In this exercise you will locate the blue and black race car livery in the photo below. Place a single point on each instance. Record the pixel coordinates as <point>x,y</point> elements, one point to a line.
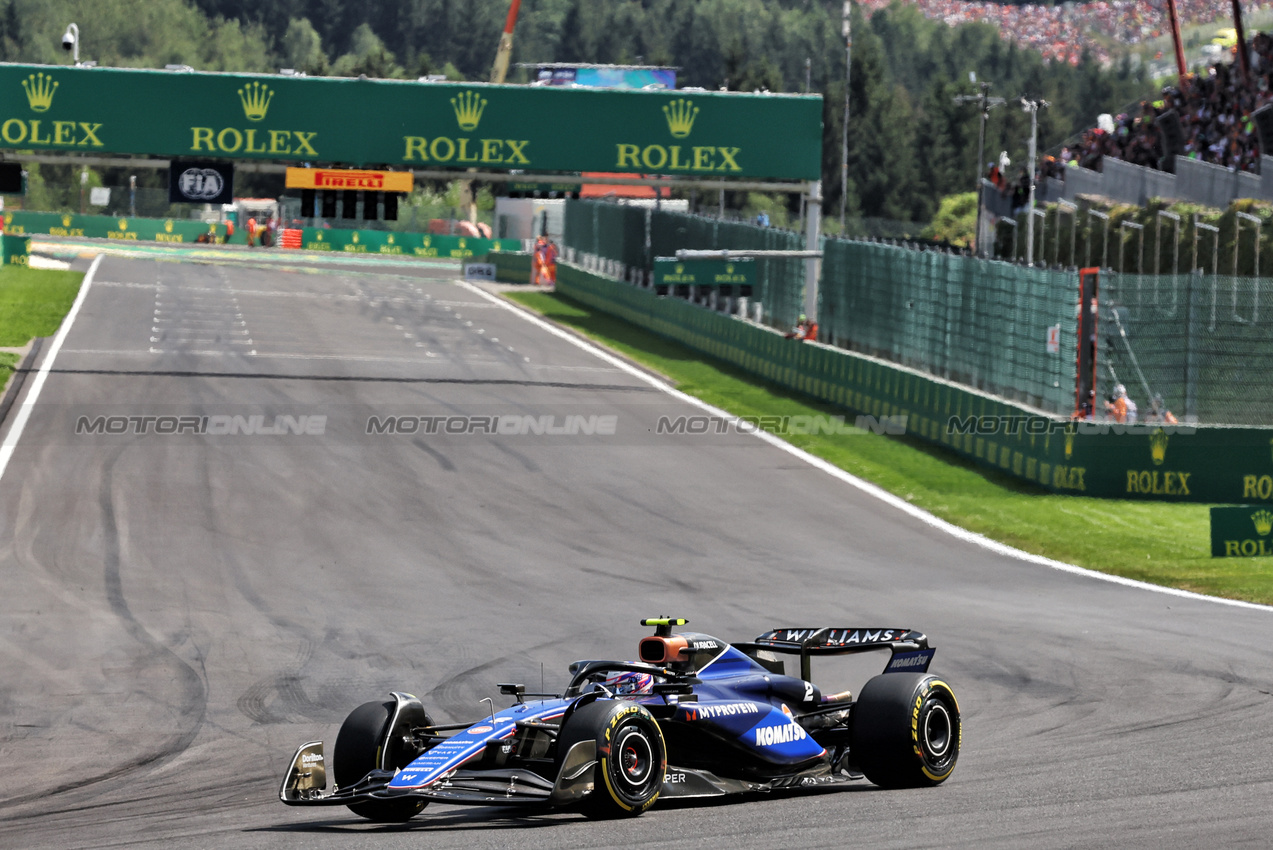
<point>695,716</point>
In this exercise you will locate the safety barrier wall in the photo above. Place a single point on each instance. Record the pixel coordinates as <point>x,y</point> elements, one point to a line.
<point>510,267</point>
<point>108,227</point>
<point>406,244</point>
<point>313,239</point>
<point>1173,463</point>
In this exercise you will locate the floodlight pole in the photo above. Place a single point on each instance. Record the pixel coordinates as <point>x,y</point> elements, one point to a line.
<point>812,265</point>
<point>985,103</point>
<point>1032,106</point>
<point>844,143</point>
<point>1158,240</point>
<point>1073,210</point>
<point>1043,236</point>
<point>1104,236</point>
<point>1140,256</point>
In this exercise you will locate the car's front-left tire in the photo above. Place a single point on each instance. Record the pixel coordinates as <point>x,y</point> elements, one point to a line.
<point>631,756</point>
<point>360,749</point>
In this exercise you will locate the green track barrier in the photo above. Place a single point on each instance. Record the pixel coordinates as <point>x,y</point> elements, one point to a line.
<point>16,250</point>
<point>108,227</point>
<point>406,244</point>
<point>1172,463</point>
<point>510,267</point>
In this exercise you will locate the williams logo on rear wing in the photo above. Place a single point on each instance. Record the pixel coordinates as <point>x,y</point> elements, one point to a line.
<point>911,653</point>
<point>836,641</point>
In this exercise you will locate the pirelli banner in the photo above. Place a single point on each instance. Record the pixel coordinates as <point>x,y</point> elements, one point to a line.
<point>413,124</point>
<point>340,179</point>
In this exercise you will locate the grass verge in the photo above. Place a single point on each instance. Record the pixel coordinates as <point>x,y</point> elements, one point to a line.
<point>8,363</point>
<point>33,302</point>
<point>1167,544</point>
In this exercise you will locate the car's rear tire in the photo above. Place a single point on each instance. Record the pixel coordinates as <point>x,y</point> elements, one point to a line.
<point>358,752</point>
<point>906,730</point>
<point>631,756</point>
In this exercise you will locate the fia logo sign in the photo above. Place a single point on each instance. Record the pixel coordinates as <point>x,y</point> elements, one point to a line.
<point>200,184</point>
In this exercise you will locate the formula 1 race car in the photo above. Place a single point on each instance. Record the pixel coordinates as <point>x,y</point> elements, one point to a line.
<point>695,717</point>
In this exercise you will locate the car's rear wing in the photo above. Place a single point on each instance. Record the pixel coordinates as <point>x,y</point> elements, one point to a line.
<point>910,649</point>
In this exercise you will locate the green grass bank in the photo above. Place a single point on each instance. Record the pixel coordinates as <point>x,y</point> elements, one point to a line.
<point>33,302</point>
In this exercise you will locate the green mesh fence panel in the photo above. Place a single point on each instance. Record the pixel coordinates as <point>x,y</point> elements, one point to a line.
<point>779,282</point>
<point>617,232</point>
<point>612,231</point>
<point>976,322</point>
<point>1203,343</point>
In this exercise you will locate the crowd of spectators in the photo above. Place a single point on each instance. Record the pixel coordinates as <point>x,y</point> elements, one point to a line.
<point>1062,32</point>
<point>1214,108</point>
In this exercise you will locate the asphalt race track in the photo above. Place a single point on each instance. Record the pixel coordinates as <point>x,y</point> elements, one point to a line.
<point>180,610</point>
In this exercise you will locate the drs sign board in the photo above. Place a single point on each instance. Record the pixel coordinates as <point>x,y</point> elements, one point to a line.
<point>419,125</point>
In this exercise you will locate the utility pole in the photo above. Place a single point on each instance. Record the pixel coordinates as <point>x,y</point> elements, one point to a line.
<point>844,147</point>
<point>985,103</point>
<point>1031,106</point>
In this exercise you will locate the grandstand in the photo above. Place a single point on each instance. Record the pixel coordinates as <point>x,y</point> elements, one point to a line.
<point>1062,32</point>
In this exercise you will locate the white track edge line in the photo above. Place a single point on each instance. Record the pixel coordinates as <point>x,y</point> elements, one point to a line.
<point>33,394</point>
<point>848,478</point>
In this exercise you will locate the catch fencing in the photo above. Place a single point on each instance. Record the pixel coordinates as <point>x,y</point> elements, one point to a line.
<point>1199,344</point>
<point>622,241</point>
<point>980,323</point>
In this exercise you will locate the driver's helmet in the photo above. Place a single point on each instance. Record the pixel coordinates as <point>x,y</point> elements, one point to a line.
<point>629,682</point>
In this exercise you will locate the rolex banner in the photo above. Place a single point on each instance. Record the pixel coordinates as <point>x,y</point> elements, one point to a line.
<point>669,271</point>
<point>1241,532</point>
<point>194,182</point>
<point>417,125</point>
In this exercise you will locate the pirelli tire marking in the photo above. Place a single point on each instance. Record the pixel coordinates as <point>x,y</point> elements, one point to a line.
<point>954,728</point>
<point>606,754</point>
